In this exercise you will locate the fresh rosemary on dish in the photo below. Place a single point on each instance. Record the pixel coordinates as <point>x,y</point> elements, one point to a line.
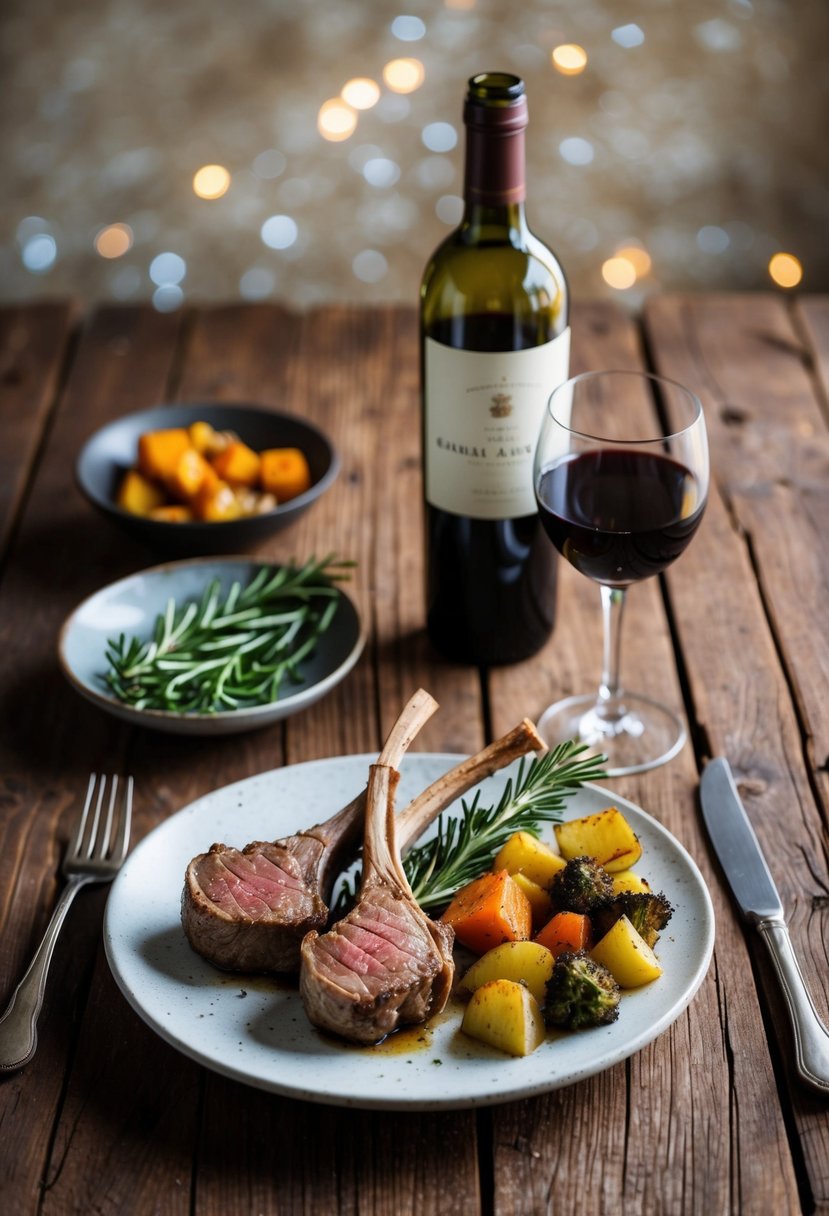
<point>228,651</point>
<point>465,844</point>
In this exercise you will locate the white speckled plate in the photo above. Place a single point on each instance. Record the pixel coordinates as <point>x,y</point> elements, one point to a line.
<point>131,606</point>
<point>255,1030</point>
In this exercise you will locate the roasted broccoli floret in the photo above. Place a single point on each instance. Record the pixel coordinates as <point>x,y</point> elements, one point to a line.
<point>581,886</point>
<point>648,912</point>
<point>580,993</point>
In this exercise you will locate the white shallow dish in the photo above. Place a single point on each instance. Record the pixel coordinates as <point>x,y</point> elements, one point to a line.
<point>131,606</point>
<point>255,1030</point>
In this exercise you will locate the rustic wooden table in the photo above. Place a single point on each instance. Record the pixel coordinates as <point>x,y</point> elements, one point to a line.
<point>708,1118</point>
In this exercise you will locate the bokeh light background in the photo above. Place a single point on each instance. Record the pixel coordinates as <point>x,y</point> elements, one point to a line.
<point>311,150</point>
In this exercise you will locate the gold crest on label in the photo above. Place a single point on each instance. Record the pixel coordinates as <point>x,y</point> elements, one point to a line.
<point>501,405</point>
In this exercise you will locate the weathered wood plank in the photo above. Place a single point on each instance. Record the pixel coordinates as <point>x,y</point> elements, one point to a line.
<point>50,739</point>
<point>659,1129</point>
<point>34,349</point>
<point>811,317</point>
<point>741,364</point>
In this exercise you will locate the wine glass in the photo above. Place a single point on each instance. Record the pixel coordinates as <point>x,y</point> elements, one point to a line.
<point>621,481</point>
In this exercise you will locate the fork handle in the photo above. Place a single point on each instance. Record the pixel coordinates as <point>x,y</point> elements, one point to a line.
<point>18,1025</point>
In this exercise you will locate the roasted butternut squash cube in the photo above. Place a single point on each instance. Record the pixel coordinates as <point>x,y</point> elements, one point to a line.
<point>191,472</point>
<point>524,962</point>
<point>489,910</point>
<point>284,472</point>
<point>216,503</point>
<point>137,494</point>
<point>607,837</point>
<point>627,956</point>
<point>525,854</point>
<point>505,1015</point>
<point>238,464</point>
<point>159,451</point>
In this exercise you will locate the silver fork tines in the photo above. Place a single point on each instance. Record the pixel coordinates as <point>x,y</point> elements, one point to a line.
<point>95,854</point>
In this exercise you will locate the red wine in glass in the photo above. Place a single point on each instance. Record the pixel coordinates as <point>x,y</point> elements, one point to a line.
<point>619,515</point>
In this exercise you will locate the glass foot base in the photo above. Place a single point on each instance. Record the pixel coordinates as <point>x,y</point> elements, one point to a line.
<point>643,735</point>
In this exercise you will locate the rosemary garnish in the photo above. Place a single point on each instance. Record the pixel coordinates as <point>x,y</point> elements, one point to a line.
<point>231,651</point>
<point>465,845</point>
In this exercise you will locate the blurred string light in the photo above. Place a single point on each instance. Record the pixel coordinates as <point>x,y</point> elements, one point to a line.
<point>211,181</point>
<point>279,232</point>
<point>569,58</point>
<point>256,283</point>
<point>39,252</point>
<point>619,272</point>
<point>638,257</point>
<point>336,120</point>
<point>439,136</point>
<point>114,241</point>
<point>361,93</point>
<point>785,270</point>
<point>404,75</point>
<point>576,151</point>
<point>269,164</point>
<point>408,29</point>
<point>628,36</point>
<point>370,266</point>
<point>713,239</point>
<point>462,4</point>
<point>168,269</point>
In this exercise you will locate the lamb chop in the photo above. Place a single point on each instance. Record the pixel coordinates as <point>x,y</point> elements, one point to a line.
<point>248,909</point>
<point>386,964</point>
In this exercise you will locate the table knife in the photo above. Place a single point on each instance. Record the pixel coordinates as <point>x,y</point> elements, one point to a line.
<point>742,860</point>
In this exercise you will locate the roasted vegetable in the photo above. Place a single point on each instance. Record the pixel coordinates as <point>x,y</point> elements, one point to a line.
<point>505,1015</point>
<point>523,962</point>
<point>648,912</point>
<point>526,854</point>
<point>581,993</point>
<point>565,931</point>
<point>284,472</point>
<point>607,837</point>
<point>490,910</point>
<point>627,956</point>
<point>582,886</point>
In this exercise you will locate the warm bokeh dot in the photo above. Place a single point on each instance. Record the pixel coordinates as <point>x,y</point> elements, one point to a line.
<point>114,241</point>
<point>569,58</point>
<point>211,181</point>
<point>336,120</point>
<point>404,75</point>
<point>619,273</point>
<point>785,270</point>
<point>362,92</point>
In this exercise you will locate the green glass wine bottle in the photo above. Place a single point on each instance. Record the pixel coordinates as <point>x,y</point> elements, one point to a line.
<point>494,344</point>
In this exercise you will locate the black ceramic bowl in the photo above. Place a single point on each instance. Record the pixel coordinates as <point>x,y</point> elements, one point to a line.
<point>114,448</point>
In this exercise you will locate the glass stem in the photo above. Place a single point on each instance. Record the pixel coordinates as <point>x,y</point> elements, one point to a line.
<point>610,706</point>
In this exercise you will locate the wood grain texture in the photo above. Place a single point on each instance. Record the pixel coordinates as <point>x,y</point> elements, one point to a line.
<point>34,351</point>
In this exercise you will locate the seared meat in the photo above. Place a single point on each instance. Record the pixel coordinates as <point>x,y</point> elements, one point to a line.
<point>248,909</point>
<point>386,964</point>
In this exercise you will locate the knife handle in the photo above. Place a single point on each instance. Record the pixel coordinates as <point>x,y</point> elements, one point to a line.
<point>811,1038</point>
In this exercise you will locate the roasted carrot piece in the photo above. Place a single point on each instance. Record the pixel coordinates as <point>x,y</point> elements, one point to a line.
<point>565,931</point>
<point>284,472</point>
<point>159,451</point>
<point>490,910</point>
<point>237,464</point>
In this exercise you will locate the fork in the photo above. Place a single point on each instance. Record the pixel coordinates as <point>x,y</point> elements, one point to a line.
<point>95,854</point>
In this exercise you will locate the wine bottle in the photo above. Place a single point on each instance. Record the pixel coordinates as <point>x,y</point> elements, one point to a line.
<point>494,344</point>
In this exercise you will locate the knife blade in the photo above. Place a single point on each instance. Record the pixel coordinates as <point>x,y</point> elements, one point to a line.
<point>751,882</point>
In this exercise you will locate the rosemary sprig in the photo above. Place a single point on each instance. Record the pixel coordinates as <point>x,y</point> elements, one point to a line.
<point>465,844</point>
<point>228,652</point>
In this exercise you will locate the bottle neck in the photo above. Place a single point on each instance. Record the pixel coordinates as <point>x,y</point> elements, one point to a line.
<point>494,186</point>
